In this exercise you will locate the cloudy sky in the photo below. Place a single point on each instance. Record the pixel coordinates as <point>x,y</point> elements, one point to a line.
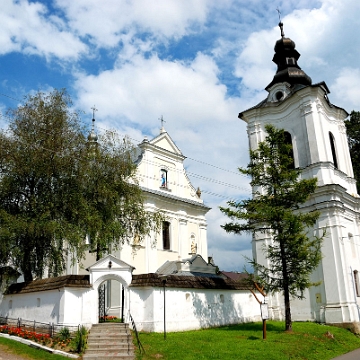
<point>197,63</point>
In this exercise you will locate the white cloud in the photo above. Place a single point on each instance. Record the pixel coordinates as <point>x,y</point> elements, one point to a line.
<point>25,27</point>
<point>105,23</point>
<point>139,85</point>
<point>142,90</point>
<point>324,36</point>
<point>347,86</point>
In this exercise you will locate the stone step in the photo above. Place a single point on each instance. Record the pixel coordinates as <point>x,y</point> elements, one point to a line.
<point>108,333</point>
<point>109,352</point>
<point>107,357</point>
<point>108,345</point>
<point>111,325</point>
<point>110,340</point>
<point>110,328</point>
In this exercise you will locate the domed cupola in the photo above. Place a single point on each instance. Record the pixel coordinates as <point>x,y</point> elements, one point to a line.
<point>92,137</point>
<point>286,58</point>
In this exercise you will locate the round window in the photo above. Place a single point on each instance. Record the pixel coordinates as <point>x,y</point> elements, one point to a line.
<point>279,95</point>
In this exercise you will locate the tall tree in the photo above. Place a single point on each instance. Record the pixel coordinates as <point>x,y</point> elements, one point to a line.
<point>55,190</point>
<point>274,210</point>
<point>114,211</point>
<point>353,135</point>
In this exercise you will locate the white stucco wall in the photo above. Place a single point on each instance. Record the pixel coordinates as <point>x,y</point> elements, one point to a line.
<point>186,309</point>
<point>191,309</point>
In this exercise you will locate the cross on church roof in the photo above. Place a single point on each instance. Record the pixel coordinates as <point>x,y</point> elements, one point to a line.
<point>94,109</point>
<point>162,121</point>
<point>280,24</point>
<point>162,124</point>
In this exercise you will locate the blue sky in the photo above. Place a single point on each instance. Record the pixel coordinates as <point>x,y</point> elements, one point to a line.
<point>196,62</point>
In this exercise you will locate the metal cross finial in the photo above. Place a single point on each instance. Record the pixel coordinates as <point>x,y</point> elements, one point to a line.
<point>279,13</point>
<point>94,109</point>
<point>162,121</point>
<point>280,24</point>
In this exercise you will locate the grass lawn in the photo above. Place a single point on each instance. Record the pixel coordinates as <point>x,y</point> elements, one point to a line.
<point>307,341</point>
<point>14,347</point>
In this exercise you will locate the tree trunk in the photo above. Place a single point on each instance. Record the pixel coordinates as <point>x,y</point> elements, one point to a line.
<point>288,321</point>
<point>26,270</point>
<point>26,261</point>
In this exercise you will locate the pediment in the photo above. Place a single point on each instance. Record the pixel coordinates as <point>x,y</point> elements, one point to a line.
<point>164,141</point>
<point>110,262</point>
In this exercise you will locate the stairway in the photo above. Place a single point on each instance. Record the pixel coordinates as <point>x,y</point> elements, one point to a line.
<point>109,340</point>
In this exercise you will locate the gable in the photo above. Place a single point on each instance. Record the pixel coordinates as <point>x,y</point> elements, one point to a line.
<point>164,141</point>
<point>110,262</point>
<point>160,170</point>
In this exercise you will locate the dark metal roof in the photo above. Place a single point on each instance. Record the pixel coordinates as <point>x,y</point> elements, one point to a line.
<point>186,282</point>
<point>69,281</point>
<point>235,275</point>
<point>286,57</point>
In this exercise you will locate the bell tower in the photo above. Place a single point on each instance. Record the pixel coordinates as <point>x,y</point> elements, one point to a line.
<point>315,127</point>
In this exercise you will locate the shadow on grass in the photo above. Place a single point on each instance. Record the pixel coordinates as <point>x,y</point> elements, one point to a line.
<point>253,338</point>
<point>275,327</point>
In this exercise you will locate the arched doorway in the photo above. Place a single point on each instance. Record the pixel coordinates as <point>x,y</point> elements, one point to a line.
<point>111,300</point>
<point>111,278</point>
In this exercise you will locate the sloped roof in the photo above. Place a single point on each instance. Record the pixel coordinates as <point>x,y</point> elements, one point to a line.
<point>195,265</point>
<point>235,275</point>
<point>186,282</point>
<point>69,281</point>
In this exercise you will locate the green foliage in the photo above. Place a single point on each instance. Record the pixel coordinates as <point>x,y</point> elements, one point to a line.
<point>113,200</point>
<point>79,343</point>
<point>38,161</point>
<point>244,341</point>
<point>273,213</point>
<point>64,333</point>
<point>353,135</point>
<point>56,188</point>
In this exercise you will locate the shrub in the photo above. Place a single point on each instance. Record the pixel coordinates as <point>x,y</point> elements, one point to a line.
<point>64,334</point>
<point>79,342</point>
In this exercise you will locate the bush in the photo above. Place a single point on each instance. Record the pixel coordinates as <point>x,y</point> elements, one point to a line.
<point>79,342</point>
<point>64,334</point>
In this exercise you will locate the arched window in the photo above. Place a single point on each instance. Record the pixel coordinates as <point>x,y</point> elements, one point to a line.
<point>288,141</point>
<point>163,179</point>
<point>333,149</point>
<point>356,281</point>
<point>166,235</point>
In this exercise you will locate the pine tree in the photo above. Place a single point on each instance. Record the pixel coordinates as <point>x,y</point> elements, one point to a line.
<point>353,135</point>
<point>274,211</point>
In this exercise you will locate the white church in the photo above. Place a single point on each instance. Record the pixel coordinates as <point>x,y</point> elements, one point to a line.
<point>171,271</point>
<point>317,133</point>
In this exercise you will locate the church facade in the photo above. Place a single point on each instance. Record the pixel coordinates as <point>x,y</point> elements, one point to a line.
<point>166,187</point>
<point>320,149</point>
<point>167,272</point>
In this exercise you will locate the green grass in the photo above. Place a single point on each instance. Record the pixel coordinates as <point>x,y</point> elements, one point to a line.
<point>245,341</point>
<point>14,347</point>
